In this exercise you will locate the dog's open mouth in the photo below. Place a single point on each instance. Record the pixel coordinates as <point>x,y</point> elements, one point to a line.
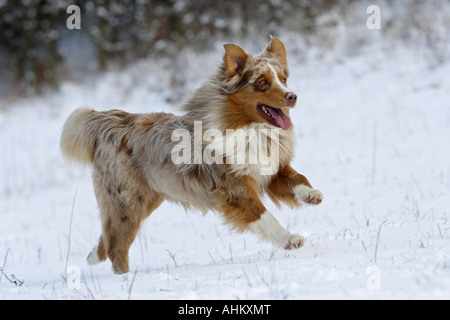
<point>275,116</point>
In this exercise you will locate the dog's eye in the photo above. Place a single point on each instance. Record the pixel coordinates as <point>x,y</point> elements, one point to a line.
<point>262,84</point>
<point>284,80</point>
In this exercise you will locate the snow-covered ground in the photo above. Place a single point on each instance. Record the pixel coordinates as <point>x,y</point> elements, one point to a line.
<point>372,134</point>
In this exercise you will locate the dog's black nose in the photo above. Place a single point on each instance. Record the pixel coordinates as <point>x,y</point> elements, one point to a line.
<point>291,98</point>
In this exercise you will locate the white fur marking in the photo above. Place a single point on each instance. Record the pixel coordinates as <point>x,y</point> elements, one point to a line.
<point>303,192</point>
<point>269,229</point>
<point>93,256</point>
<point>252,150</point>
<point>275,76</point>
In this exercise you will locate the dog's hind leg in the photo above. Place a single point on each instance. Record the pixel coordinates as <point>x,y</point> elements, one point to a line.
<point>120,233</point>
<point>123,205</point>
<point>98,253</point>
<point>119,229</point>
<point>124,228</point>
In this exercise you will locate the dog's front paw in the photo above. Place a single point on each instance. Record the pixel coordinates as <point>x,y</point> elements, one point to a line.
<point>295,241</point>
<point>308,195</point>
<point>313,197</point>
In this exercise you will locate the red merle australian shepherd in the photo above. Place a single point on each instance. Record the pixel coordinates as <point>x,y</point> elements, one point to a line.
<point>233,145</point>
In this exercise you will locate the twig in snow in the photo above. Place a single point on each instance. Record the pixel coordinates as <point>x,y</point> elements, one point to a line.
<point>173,258</point>
<point>168,275</point>
<point>378,238</point>
<point>440,232</point>
<point>214,261</point>
<point>12,278</point>
<point>4,263</point>
<point>364,246</point>
<point>246,277</point>
<point>374,154</point>
<point>70,235</point>
<point>131,286</point>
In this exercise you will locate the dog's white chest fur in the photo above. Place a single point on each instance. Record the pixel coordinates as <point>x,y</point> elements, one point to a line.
<point>258,151</point>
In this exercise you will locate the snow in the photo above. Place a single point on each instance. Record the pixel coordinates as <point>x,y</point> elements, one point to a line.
<point>372,135</point>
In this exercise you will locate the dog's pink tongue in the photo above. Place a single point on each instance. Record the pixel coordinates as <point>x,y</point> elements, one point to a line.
<point>281,119</point>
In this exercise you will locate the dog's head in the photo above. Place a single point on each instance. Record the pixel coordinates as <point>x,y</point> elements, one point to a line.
<point>257,86</point>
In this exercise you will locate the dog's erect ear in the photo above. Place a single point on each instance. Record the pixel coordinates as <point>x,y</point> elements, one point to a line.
<point>277,50</point>
<point>235,59</point>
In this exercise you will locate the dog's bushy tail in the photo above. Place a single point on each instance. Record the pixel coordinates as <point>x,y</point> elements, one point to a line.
<point>78,139</point>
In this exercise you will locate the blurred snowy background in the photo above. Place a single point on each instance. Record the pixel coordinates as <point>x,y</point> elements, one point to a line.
<point>372,124</point>
<point>39,51</point>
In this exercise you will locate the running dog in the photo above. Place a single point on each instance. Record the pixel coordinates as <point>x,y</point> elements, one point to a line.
<point>136,157</point>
